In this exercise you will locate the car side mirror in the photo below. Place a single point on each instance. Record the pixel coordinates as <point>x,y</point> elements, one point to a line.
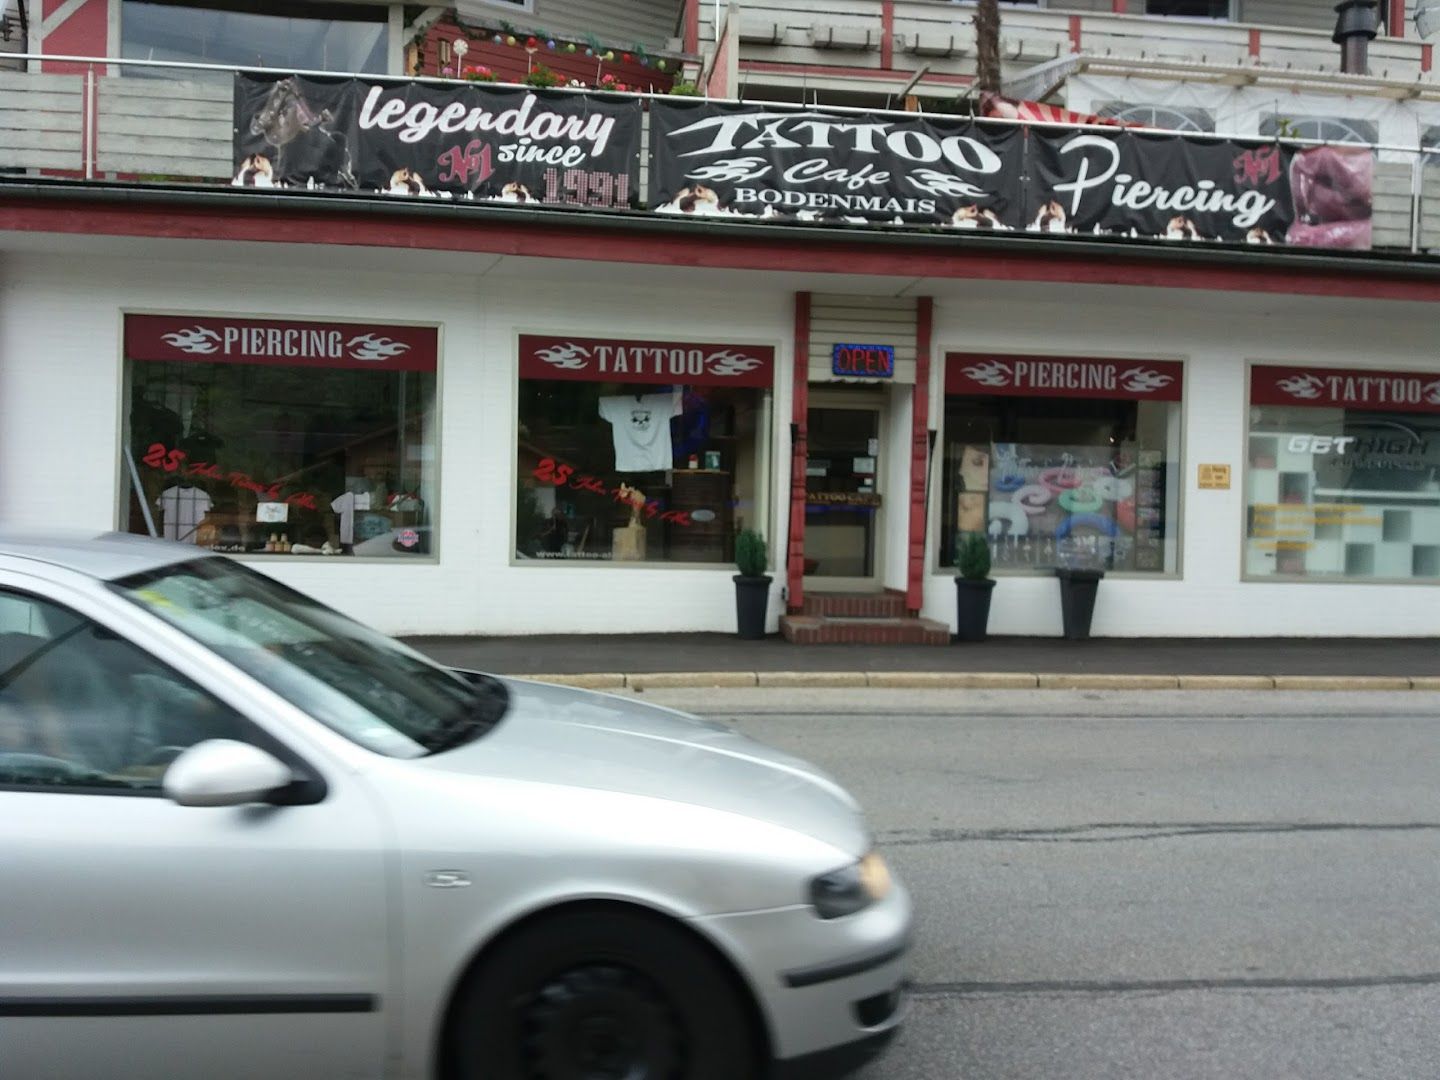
<point>223,772</point>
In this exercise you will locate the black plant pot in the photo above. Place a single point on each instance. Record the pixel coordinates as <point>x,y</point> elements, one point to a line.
<point>1077,600</point>
<point>972,608</point>
<point>752,597</point>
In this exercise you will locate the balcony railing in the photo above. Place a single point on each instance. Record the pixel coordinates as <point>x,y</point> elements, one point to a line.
<point>817,42</point>
<point>91,124</point>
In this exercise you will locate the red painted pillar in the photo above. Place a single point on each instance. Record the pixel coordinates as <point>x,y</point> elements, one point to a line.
<point>1427,56</point>
<point>887,34</point>
<point>1396,21</point>
<point>1119,7</point>
<point>1254,43</point>
<point>692,26</point>
<point>1075,33</point>
<point>799,418</point>
<point>919,455</point>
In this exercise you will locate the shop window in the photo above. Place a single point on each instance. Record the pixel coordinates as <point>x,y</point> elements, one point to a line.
<point>1342,475</point>
<point>267,437</point>
<point>253,33</point>
<point>639,451</point>
<point>1063,461</point>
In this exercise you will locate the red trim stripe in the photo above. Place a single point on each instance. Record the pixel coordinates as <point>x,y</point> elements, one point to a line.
<point>711,248</point>
<point>799,419</point>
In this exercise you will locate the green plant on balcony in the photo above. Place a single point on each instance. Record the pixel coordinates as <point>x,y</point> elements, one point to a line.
<point>685,88</point>
<point>542,77</point>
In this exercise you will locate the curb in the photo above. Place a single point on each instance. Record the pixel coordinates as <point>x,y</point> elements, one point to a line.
<point>974,680</point>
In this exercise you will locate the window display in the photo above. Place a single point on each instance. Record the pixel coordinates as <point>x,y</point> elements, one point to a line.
<point>1342,475</point>
<point>1063,461</point>
<point>639,451</point>
<point>264,436</point>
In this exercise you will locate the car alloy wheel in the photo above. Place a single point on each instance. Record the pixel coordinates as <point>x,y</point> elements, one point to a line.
<point>601,1022</point>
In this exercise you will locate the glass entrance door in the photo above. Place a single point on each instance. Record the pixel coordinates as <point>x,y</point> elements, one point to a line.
<point>842,497</point>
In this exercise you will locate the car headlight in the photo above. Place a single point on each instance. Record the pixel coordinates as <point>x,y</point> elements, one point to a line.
<point>851,888</point>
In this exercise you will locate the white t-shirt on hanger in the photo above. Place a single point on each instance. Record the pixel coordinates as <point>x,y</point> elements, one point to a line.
<point>640,425</point>
<point>183,509</point>
<point>346,505</point>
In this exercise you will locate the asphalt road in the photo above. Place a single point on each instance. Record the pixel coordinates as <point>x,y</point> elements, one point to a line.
<point>1156,885</point>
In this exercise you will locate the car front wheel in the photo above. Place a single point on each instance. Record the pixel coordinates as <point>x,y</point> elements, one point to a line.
<point>601,996</point>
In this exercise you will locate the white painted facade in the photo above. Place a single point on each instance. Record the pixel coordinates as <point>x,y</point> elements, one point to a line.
<point>61,303</point>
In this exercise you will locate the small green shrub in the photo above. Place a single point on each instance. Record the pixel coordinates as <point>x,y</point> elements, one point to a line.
<point>974,557</point>
<point>750,554</point>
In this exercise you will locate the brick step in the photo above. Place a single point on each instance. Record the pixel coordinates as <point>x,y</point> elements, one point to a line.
<point>872,605</point>
<point>822,630</point>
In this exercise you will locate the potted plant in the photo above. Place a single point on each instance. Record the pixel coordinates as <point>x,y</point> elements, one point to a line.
<point>752,584</point>
<point>973,587</point>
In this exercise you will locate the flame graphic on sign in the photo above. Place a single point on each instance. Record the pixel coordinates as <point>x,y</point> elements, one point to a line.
<point>375,347</point>
<point>1431,392</point>
<point>1302,386</point>
<point>730,363</point>
<point>939,183</point>
<point>197,339</point>
<point>740,168</point>
<point>1144,381</point>
<point>570,357</point>
<point>990,373</point>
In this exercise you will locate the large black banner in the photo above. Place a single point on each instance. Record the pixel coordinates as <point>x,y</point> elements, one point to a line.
<point>1195,188</point>
<point>726,160</point>
<point>462,142</point>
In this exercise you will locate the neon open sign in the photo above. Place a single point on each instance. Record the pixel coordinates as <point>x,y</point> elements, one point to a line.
<point>863,361</point>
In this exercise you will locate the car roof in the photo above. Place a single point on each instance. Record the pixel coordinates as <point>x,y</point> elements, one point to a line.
<point>104,555</point>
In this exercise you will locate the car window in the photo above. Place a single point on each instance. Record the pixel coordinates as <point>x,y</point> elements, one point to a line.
<point>366,686</point>
<point>80,707</point>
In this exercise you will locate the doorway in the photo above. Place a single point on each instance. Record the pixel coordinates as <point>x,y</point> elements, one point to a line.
<point>843,498</point>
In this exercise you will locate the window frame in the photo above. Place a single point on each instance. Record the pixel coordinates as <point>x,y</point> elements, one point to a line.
<point>935,519</point>
<point>123,480</point>
<point>1243,524</point>
<point>307,788</point>
<point>767,481</point>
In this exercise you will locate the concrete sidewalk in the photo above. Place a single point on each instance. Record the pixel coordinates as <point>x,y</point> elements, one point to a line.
<point>654,660</point>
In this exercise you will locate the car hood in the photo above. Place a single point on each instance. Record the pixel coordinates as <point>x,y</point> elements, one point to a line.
<point>558,735</point>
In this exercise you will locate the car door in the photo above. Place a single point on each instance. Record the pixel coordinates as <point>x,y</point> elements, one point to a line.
<point>140,938</point>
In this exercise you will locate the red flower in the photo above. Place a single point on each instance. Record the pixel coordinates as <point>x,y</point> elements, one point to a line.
<point>625,57</point>
<point>532,43</point>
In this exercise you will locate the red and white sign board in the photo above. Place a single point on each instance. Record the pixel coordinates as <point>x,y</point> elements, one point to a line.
<point>1063,376</point>
<point>288,342</point>
<point>585,359</point>
<point>1346,388</point>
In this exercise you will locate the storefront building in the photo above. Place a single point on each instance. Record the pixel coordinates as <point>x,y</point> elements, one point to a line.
<point>551,446</point>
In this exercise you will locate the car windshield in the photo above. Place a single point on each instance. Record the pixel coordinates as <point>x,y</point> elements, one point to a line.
<point>368,687</point>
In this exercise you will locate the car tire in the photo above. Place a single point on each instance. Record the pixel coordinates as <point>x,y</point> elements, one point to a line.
<point>600,994</point>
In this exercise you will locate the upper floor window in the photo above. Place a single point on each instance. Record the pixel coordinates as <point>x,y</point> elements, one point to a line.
<point>1335,129</point>
<point>254,33</point>
<point>1164,117</point>
<point>1190,9</point>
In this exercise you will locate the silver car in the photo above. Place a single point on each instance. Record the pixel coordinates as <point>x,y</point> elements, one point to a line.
<point>242,835</point>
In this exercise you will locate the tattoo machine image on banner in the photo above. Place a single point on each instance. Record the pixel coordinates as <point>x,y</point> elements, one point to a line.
<point>1193,188</point>
<point>710,159</point>
<point>445,141</point>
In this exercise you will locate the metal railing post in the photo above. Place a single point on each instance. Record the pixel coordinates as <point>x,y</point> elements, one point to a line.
<point>87,126</point>
<point>1417,188</point>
